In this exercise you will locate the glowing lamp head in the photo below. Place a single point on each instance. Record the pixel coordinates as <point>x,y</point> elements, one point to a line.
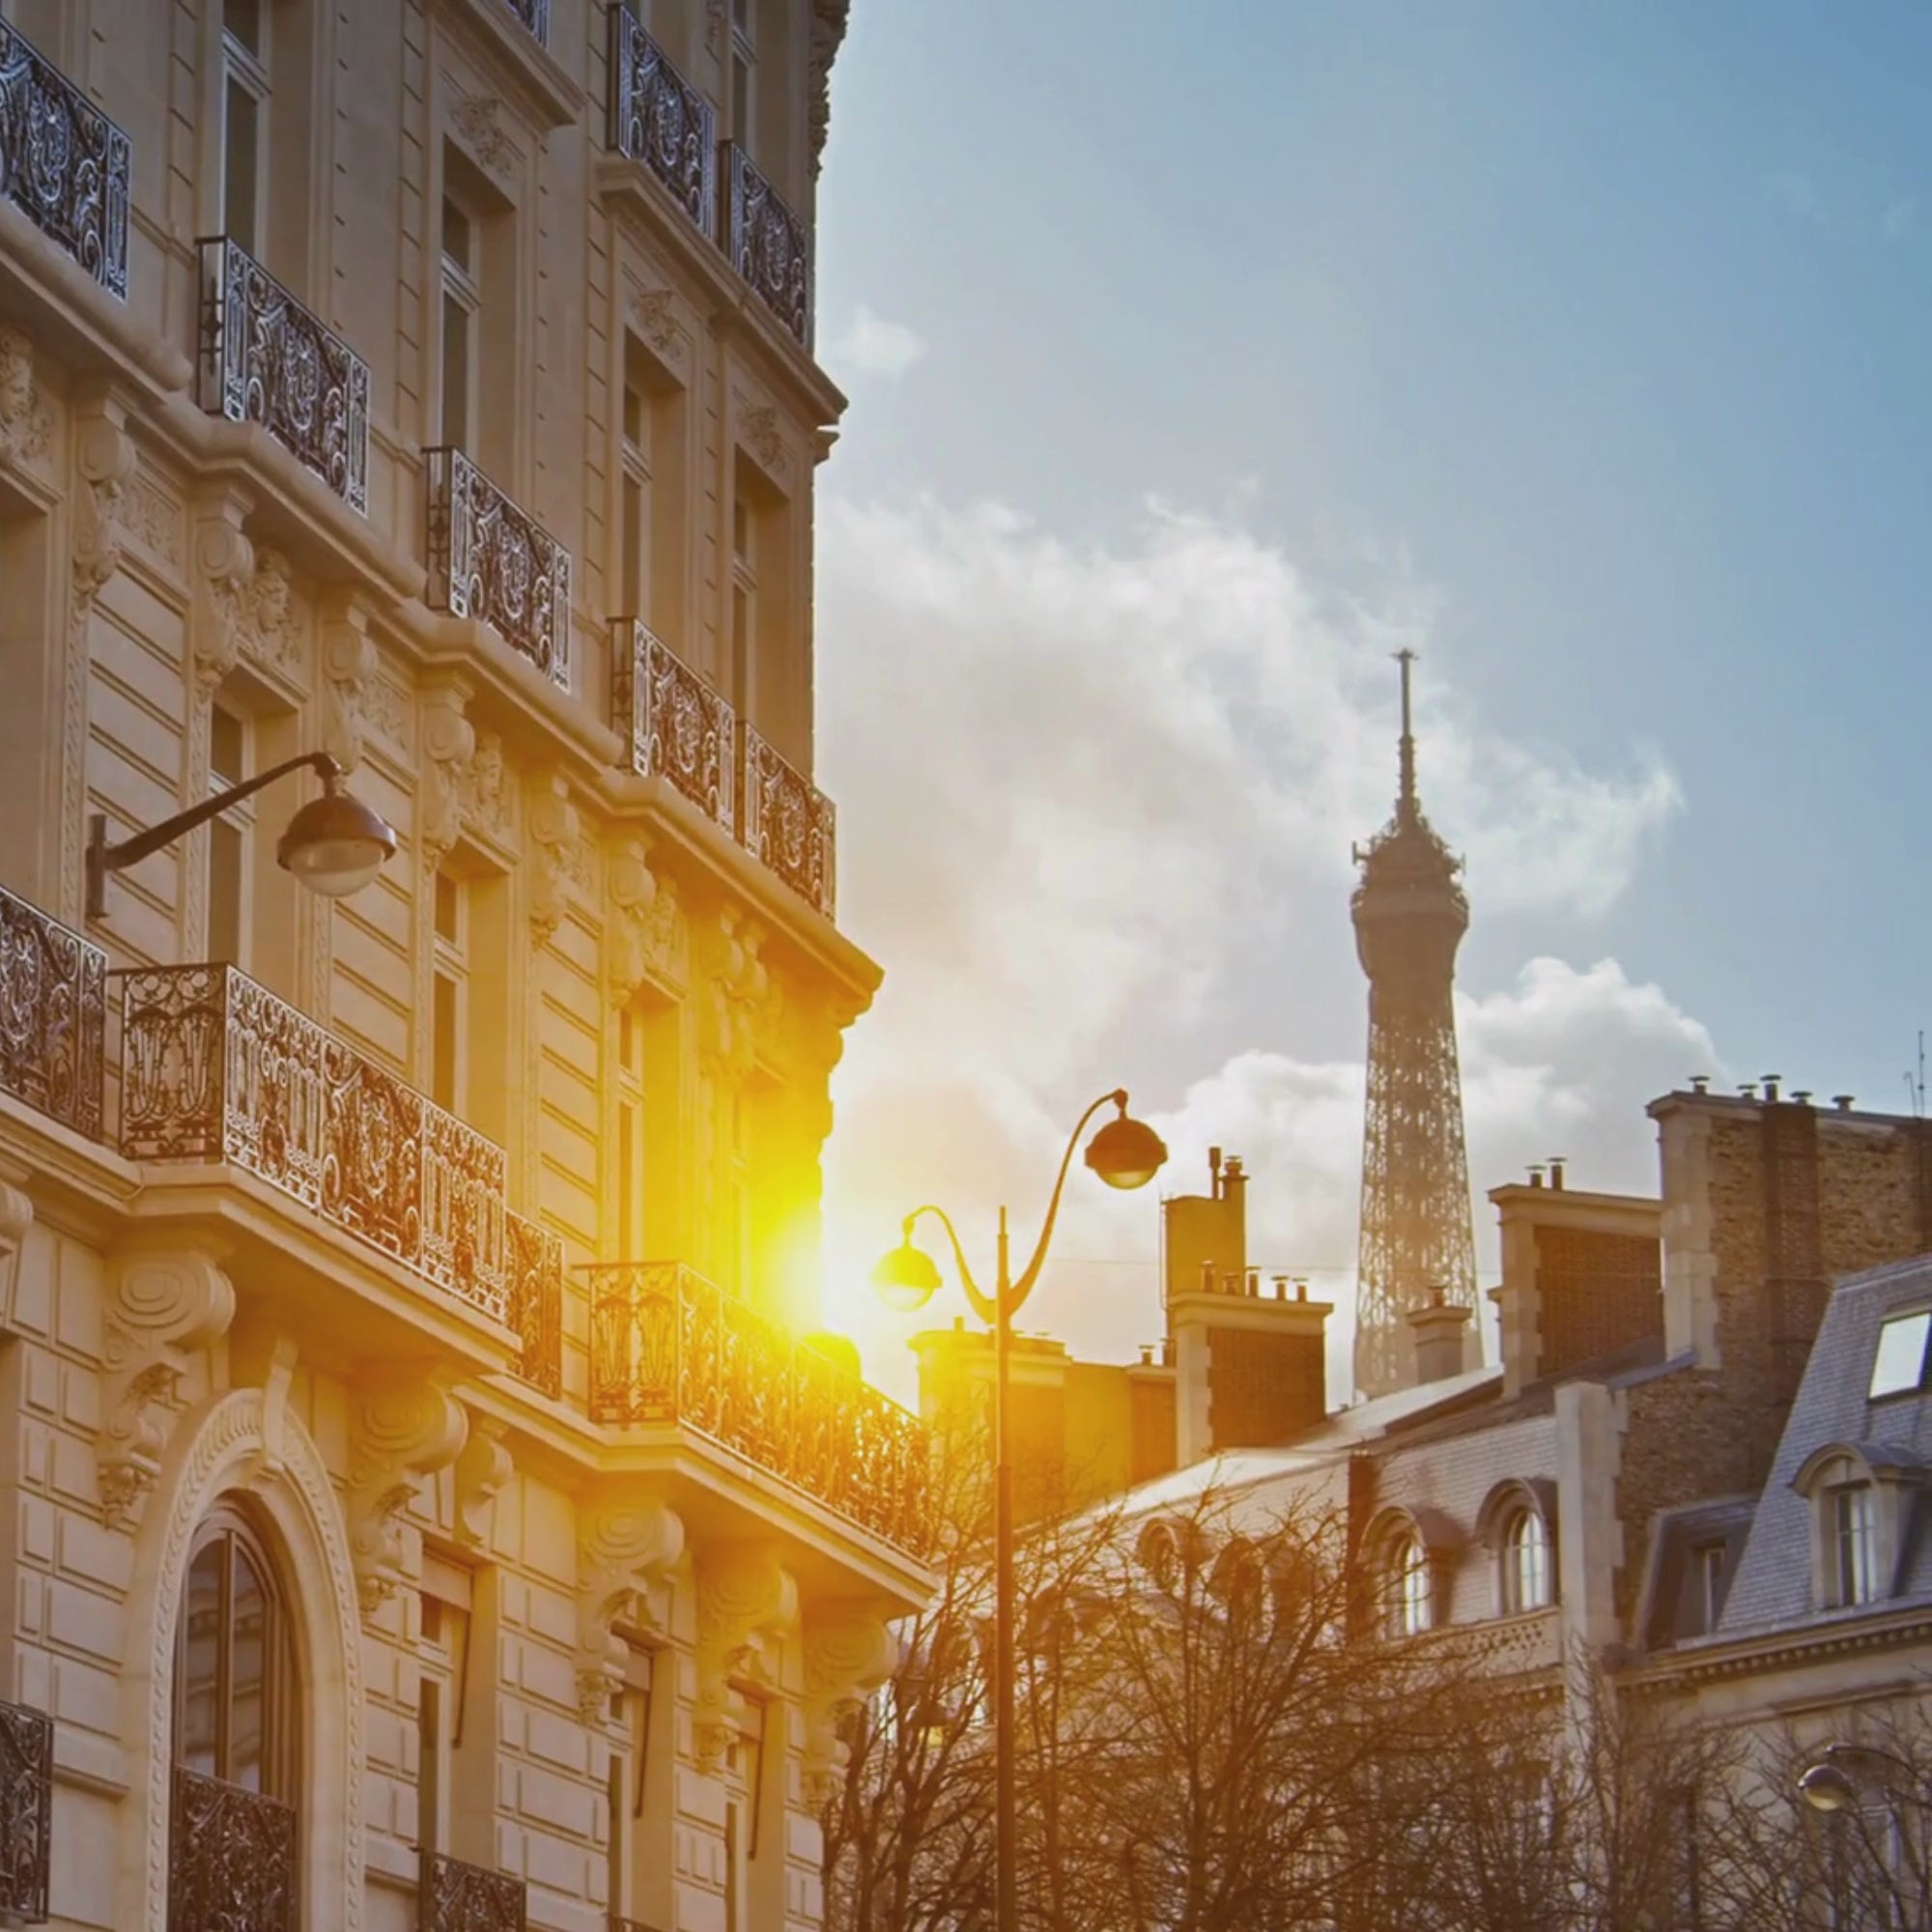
<point>905,1277</point>
<point>335,844</point>
<point>1826,1788</point>
<point>1125,1152</point>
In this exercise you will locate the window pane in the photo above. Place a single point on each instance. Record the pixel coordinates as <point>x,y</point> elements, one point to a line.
<point>456,236</point>
<point>1900,1360</point>
<point>741,102</point>
<point>448,908</point>
<point>239,148</point>
<point>636,417</point>
<point>249,1675</point>
<point>227,739</point>
<point>628,1247</point>
<point>636,536</point>
<point>455,372</point>
<point>225,853</point>
<point>443,1073</point>
<point>741,651</point>
<point>198,1736</point>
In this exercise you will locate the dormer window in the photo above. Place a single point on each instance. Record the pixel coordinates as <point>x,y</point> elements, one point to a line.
<point>1854,1528</point>
<point>1860,1495</point>
<point>1525,1563</point>
<point>1900,1364</point>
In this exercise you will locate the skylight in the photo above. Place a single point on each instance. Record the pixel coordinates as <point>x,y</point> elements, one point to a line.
<point>1899,1365</point>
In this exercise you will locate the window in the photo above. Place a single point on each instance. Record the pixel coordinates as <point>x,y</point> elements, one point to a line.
<point>743,601</point>
<point>743,1783</point>
<point>462,307</point>
<point>443,1704</point>
<point>1853,1517</point>
<point>630,1134</point>
<point>1525,1563</point>
<point>244,121</point>
<point>1898,1367</point>
<point>230,839</point>
<point>1707,1564</point>
<point>234,1707</point>
<point>449,988</point>
<point>744,74</point>
<point>630,1772</point>
<point>1405,1581</point>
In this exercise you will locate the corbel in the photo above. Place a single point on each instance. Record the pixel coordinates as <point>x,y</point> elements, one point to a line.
<point>104,457</point>
<point>224,574</point>
<point>847,1657</point>
<point>746,1601</point>
<point>550,833</point>
<point>346,661</point>
<point>448,744</point>
<point>16,1216</point>
<point>627,1548</point>
<point>405,1425</point>
<point>165,1303</point>
<point>481,1470</point>
<point>26,421</point>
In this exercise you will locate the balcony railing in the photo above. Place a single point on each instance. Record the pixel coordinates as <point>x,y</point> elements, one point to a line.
<point>53,1015</point>
<point>26,1812</point>
<point>789,824</point>
<point>265,358</point>
<point>536,1302</point>
<point>63,164</point>
<point>535,16</point>
<point>768,244</point>
<point>618,1925</point>
<point>455,1897</point>
<point>231,1858</point>
<point>657,118</point>
<point>490,561</point>
<point>215,1067</point>
<point>679,728</point>
<point>669,1347</point>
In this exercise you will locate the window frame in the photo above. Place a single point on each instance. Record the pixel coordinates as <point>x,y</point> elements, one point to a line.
<point>233,831</point>
<point>248,70</point>
<point>1900,1318</point>
<point>458,287</point>
<point>1853,1533</point>
<point>449,965</point>
<point>741,78</point>
<point>631,1061</point>
<point>1528,1571</point>
<point>1408,1586</point>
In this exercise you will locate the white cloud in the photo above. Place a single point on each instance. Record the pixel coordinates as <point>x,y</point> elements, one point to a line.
<point>872,345</point>
<point>1077,783</point>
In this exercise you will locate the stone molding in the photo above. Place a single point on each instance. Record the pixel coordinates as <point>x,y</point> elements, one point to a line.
<point>448,744</point>
<point>847,1657</point>
<point>627,1548</point>
<point>746,1604</point>
<point>405,1425</point>
<point>480,1472</point>
<point>553,831</point>
<point>346,665</point>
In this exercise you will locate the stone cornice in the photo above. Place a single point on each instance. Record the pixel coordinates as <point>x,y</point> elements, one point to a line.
<point>1783,1649</point>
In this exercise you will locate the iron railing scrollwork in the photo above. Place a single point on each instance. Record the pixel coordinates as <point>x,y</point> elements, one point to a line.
<point>231,1858</point>
<point>621,1925</point>
<point>63,162</point>
<point>490,560</point>
<point>53,1016</point>
<point>789,824</point>
<point>768,244</point>
<point>658,119</point>
<point>215,1067</point>
<point>535,16</point>
<point>667,1346</point>
<point>535,1258</point>
<point>678,728</point>
<point>26,1812</point>
<point>267,358</point>
<point>457,1897</point>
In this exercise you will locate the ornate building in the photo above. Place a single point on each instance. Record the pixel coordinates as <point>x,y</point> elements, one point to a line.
<point>1410,915</point>
<point>419,1502</point>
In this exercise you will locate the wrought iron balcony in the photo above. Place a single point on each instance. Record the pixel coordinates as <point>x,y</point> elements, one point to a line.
<point>657,118</point>
<point>535,16</point>
<point>231,1858</point>
<point>455,1897</point>
<point>265,358</point>
<point>768,244</point>
<point>215,1067</point>
<point>536,1302</point>
<point>63,164</point>
<point>26,1812</point>
<point>679,728</point>
<point>489,560</point>
<point>789,824</point>
<point>669,1347</point>
<point>53,1015</point>
<point>618,1925</point>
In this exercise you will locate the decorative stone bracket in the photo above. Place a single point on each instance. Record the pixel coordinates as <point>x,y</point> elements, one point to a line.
<point>641,923</point>
<point>405,1425</point>
<point>551,826</point>
<point>346,654</point>
<point>481,1470</point>
<point>166,1304</point>
<point>746,1602</point>
<point>847,1657</point>
<point>16,1216</point>
<point>626,1550</point>
<point>26,418</point>
<point>740,986</point>
<point>448,744</point>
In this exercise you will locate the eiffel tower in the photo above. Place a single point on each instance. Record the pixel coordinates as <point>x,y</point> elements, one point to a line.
<point>1410,914</point>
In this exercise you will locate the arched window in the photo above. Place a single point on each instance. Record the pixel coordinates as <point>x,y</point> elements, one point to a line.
<point>1526,1562</point>
<point>235,1706</point>
<point>1406,1601</point>
<point>1851,1528</point>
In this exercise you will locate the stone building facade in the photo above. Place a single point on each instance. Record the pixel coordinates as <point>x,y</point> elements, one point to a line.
<point>421,1504</point>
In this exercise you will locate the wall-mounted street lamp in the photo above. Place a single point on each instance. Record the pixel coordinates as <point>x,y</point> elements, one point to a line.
<point>1125,1152</point>
<point>334,844</point>
<point>1827,1786</point>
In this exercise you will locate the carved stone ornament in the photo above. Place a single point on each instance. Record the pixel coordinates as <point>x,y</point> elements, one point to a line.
<point>551,835</point>
<point>16,1216</point>
<point>764,439</point>
<point>486,803</point>
<point>746,1602</point>
<point>224,566</point>
<point>847,1657</point>
<point>653,315</point>
<point>828,30</point>
<point>626,1552</point>
<point>346,658</point>
<point>714,27</point>
<point>481,1470</point>
<point>448,742</point>
<point>26,420</point>
<point>105,455</point>
<point>643,923</point>
<point>739,986</point>
<point>165,1303</point>
<point>270,623</point>
<point>405,1427</point>
<point>476,117</point>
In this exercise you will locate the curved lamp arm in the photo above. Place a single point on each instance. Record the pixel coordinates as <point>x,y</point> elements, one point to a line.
<point>1023,1287</point>
<point>1833,1752</point>
<point>984,1305</point>
<point>132,851</point>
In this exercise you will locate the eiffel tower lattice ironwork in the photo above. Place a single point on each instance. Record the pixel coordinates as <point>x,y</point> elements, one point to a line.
<point>1409,913</point>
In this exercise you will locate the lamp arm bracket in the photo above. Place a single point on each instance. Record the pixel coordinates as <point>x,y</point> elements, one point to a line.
<point>132,851</point>
<point>984,1305</point>
<point>1022,1287</point>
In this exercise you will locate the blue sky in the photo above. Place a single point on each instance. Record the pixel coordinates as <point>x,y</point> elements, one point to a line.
<point>1583,349</point>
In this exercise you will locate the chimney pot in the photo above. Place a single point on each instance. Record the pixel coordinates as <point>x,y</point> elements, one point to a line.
<point>1801,1096</point>
<point>1146,1355</point>
<point>1255,1281</point>
<point>1280,1287</point>
<point>1301,1291</point>
<point>1771,1081</point>
<point>1206,1277</point>
<point>1556,1170</point>
<point>1843,1101</point>
<point>1700,1083</point>
<point>1749,1090</point>
<point>1536,1173</point>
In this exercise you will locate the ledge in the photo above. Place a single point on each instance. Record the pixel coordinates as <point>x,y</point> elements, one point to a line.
<point>518,61</point>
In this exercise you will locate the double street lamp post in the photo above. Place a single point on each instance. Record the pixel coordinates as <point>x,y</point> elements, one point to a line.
<point>1125,1152</point>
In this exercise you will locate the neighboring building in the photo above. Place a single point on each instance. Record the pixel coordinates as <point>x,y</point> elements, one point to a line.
<point>420,1507</point>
